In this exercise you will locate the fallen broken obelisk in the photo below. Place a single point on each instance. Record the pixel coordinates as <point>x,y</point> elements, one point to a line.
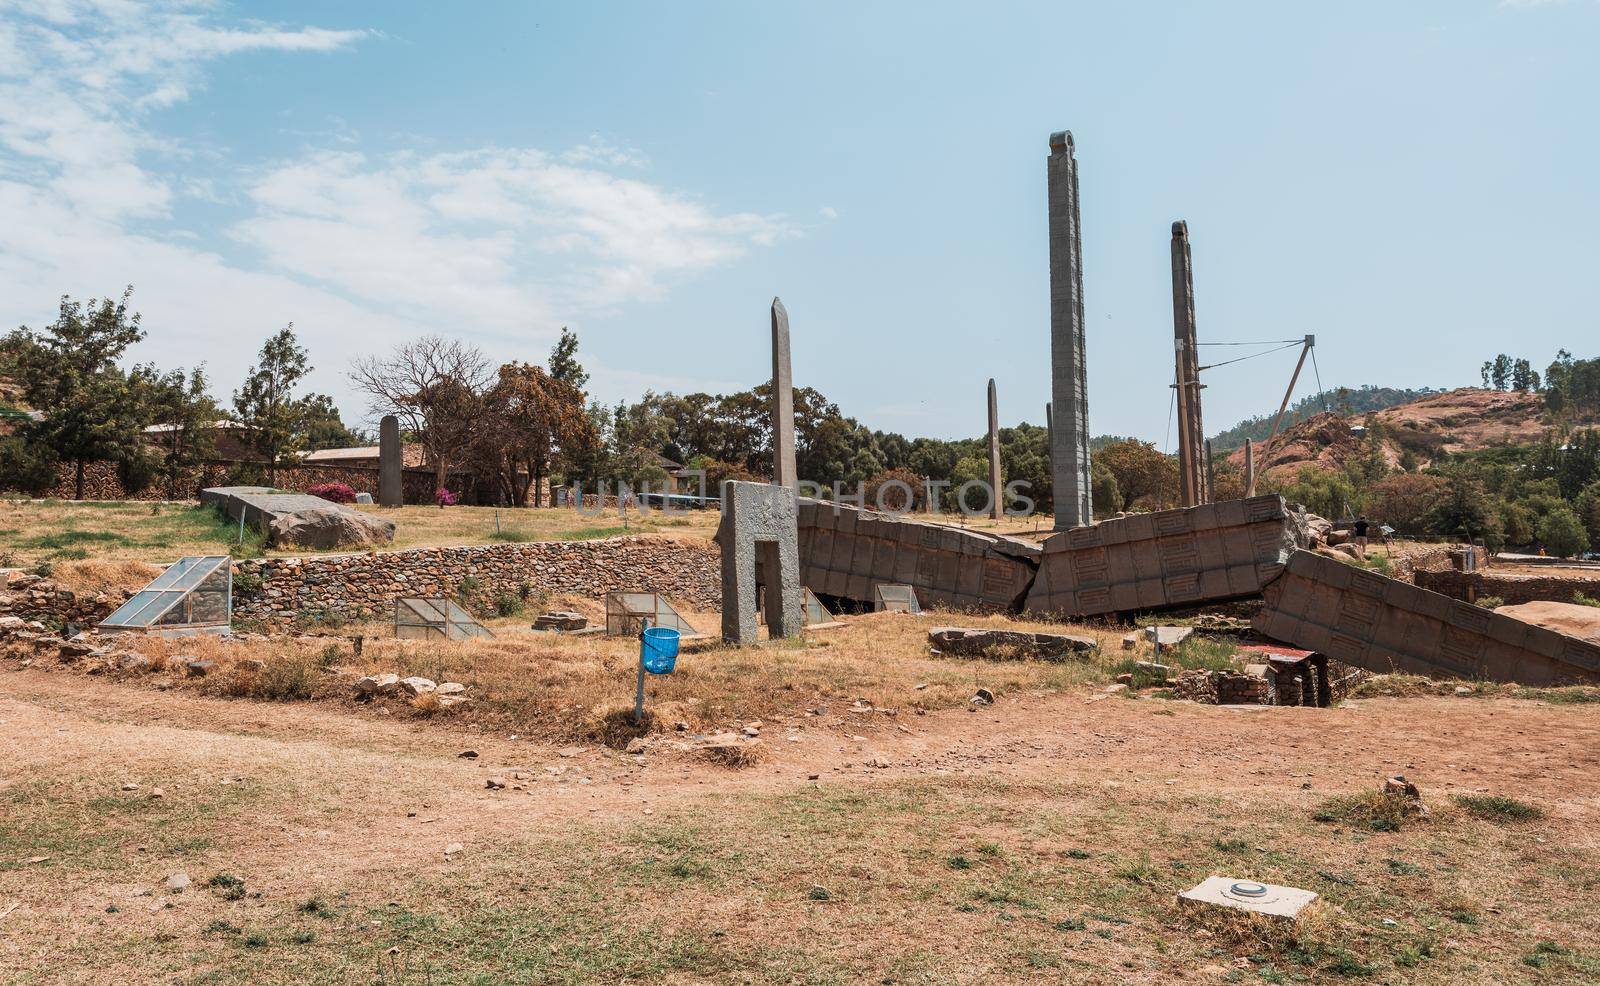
<point>845,551</point>
<point>1385,625</point>
<point>1183,557</point>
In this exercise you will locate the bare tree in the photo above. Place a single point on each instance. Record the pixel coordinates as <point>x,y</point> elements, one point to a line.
<point>435,387</point>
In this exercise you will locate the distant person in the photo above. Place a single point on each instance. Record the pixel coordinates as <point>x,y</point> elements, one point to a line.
<point>1361,533</point>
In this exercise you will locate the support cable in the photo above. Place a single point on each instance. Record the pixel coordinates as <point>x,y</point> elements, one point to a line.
<point>1267,352</point>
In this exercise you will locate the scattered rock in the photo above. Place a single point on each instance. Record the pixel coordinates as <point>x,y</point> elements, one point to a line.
<point>561,621</point>
<point>983,696</point>
<point>72,650</point>
<point>156,794</point>
<point>133,661</point>
<point>495,783</point>
<point>1463,691</point>
<point>449,688</point>
<point>199,667</point>
<point>130,786</point>
<point>178,882</point>
<point>636,745</point>
<point>417,686</point>
<point>453,848</point>
<point>1114,689</point>
<point>468,754</point>
<point>251,665</point>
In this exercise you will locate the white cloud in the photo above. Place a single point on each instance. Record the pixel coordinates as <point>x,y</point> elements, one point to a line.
<point>359,249</point>
<point>828,212</point>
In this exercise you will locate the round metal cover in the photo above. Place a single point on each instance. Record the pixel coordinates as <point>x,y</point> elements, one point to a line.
<point>1244,888</point>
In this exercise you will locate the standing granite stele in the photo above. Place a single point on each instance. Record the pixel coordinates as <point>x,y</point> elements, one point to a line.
<point>783,468</point>
<point>759,525</point>
<point>1192,486</point>
<point>1069,391</point>
<point>391,492</point>
<point>996,487</point>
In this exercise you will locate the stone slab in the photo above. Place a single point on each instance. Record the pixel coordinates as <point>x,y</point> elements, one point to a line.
<point>274,513</point>
<point>1183,557</point>
<point>989,642</point>
<point>1371,621</point>
<point>846,551</point>
<point>1278,902</point>
<point>1168,636</point>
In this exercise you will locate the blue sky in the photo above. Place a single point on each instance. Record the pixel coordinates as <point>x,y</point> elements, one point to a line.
<point>1416,184</point>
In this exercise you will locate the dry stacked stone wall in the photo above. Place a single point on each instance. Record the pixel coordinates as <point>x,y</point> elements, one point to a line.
<point>276,592</point>
<point>1472,586</point>
<point>30,597</point>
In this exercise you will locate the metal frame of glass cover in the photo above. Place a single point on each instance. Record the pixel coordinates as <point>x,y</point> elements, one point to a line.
<point>418,618</point>
<point>888,597</point>
<point>194,595</point>
<point>626,613</point>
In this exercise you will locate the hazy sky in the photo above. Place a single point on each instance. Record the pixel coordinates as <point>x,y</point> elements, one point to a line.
<point>1417,184</point>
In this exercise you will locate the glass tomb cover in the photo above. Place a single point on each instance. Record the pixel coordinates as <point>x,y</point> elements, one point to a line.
<point>194,593</point>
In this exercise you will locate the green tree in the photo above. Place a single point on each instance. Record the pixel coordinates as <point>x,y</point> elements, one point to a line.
<point>1327,494</point>
<point>1497,372</point>
<point>27,467</point>
<point>1104,493</point>
<point>1587,506</point>
<point>188,417</point>
<point>1517,521</point>
<point>564,365</point>
<point>1562,533</point>
<point>324,427</point>
<point>1466,510</point>
<point>1144,475</point>
<point>266,405</point>
<point>93,410</point>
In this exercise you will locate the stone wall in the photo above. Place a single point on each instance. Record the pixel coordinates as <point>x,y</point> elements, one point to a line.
<point>275,591</point>
<point>1472,586</point>
<point>30,597</point>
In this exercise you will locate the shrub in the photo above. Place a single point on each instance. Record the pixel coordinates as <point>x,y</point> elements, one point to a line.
<point>445,498</point>
<point>1375,810</point>
<point>1563,533</point>
<point>1491,602</point>
<point>1496,808</point>
<point>336,492</point>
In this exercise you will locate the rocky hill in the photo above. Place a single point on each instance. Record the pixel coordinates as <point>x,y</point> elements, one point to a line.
<point>1428,428</point>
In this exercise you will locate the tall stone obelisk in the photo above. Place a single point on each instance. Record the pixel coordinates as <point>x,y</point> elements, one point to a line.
<point>996,487</point>
<point>1049,435</point>
<point>1193,488</point>
<point>391,483</point>
<point>1069,448</point>
<point>783,470</point>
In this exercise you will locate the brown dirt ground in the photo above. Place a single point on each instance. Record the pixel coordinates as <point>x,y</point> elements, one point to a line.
<point>334,801</point>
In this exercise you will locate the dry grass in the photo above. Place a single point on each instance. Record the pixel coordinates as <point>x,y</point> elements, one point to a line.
<point>65,534</point>
<point>675,872</point>
<point>570,688</point>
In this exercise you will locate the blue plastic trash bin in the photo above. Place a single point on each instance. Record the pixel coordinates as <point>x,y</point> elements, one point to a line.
<point>658,650</point>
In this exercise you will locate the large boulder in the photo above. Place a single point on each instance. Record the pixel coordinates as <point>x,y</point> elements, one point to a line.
<point>330,526</point>
<point>1568,618</point>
